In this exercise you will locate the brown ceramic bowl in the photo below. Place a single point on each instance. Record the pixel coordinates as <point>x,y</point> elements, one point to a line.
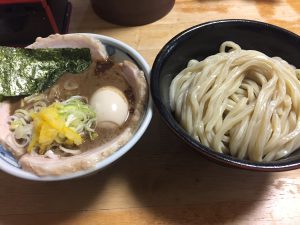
<point>132,12</point>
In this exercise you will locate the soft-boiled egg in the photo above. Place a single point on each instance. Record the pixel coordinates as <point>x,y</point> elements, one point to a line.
<point>111,107</point>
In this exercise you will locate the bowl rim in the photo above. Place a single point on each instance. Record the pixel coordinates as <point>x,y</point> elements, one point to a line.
<point>143,65</point>
<point>207,152</point>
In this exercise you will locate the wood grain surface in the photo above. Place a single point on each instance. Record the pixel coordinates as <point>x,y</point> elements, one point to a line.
<point>161,180</point>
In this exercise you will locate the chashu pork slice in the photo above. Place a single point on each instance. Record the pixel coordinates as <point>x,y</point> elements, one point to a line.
<point>43,166</point>
<point>6,136</point>
<point>98,52</point>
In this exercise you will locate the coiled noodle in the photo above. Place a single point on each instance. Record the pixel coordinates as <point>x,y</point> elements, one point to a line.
<point>240,102</point>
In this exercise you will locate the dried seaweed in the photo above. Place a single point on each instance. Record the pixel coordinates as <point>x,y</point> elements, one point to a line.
<point>29,71</point>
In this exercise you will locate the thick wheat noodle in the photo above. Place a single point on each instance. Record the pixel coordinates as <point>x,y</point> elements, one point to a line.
<point>240,102</point>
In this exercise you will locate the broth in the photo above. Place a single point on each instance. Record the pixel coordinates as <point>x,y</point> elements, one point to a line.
<point>88,83</point>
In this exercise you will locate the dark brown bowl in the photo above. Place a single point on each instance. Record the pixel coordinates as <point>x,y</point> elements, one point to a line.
<point>203,40</point>
<point>132,12</point>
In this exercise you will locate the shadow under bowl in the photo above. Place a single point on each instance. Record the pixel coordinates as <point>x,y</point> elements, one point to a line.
<point>203,40</point>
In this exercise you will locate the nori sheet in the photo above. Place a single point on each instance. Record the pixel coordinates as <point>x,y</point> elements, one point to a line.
<point>27,71</point>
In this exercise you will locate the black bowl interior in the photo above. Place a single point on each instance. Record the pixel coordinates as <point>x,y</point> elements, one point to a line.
<point>203,40</point>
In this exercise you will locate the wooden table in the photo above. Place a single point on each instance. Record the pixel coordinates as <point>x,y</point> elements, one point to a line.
<point>161,180</point>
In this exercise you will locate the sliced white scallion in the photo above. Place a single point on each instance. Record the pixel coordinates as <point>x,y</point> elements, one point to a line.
<point>76,113</point>
<point>70,151</point>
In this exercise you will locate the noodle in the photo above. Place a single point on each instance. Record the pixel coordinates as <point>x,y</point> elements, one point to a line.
<point>240,102</point>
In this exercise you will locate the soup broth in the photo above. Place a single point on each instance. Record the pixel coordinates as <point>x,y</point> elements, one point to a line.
<point>86,84</point>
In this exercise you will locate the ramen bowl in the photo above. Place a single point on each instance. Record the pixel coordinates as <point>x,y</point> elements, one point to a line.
<point>203,40</point>
<point>117,51</point>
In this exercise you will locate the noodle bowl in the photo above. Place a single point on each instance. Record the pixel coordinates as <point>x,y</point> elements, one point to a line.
<point>240,102</point>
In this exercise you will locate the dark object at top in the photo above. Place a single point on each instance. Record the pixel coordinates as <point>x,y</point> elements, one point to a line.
<point>204,40</point>
<point>132,12</point>
<point>21,21</point>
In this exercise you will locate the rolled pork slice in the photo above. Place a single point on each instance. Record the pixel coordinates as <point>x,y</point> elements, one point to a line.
<point>97,49</point>
<point>6,136</point>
